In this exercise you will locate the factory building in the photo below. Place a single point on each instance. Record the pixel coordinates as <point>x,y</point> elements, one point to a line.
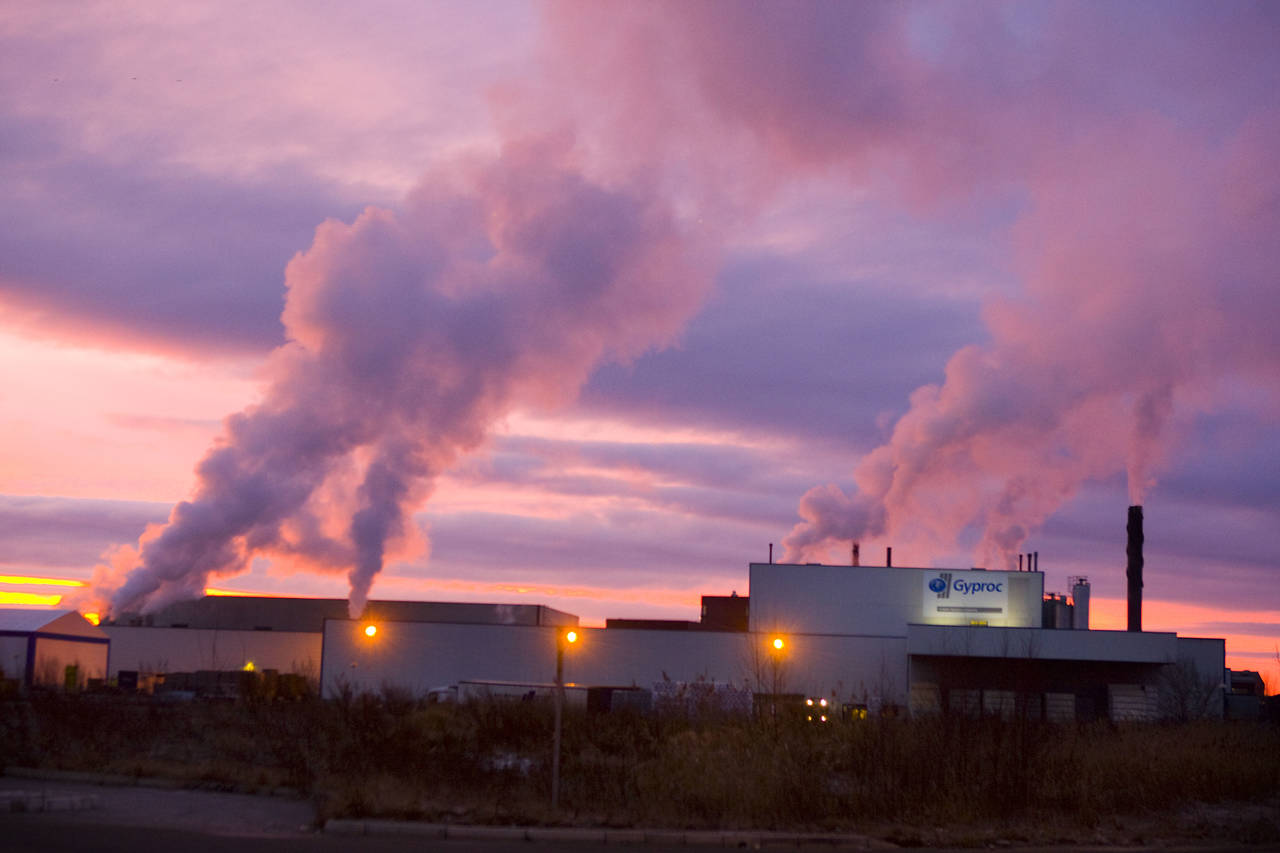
<point>235,633</point>
<point>873,638</point>
<point>51,648</point>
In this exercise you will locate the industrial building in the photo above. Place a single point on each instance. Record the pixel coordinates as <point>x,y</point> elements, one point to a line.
<point>52,648</point>
<point>912,639</point>
<point>224,633</point>
<point>873,639</point>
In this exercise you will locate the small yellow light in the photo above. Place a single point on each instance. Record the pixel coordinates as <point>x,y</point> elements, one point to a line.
<point>571,637</point>
<point>370,630</point>
<point>823,718</point>
<point>778,643</point>
<point>822,702</point>
<point>248,667</point>
<point>808,701</point>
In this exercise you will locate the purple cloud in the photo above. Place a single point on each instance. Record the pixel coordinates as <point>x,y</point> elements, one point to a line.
<point>150,255</point>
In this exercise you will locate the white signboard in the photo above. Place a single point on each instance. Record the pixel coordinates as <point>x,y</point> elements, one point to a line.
<point>964,597</point>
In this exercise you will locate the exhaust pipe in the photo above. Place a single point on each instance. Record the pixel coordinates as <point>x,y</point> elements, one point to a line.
<point>1133,570</point>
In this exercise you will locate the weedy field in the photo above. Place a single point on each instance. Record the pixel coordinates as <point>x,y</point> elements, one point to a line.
<point>388,755</point>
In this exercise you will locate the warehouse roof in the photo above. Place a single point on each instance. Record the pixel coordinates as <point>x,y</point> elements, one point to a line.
<point>23,620</point>
<point>266,613</point>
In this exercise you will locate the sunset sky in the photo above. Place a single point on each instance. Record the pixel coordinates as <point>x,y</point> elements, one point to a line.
<point>586,304</point>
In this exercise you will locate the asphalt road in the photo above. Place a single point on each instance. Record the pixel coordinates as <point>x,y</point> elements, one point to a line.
<point>99,818</point>
<point>54,833</point>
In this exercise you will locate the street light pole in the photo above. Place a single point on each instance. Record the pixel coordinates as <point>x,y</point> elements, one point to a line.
<point>562,639</point>
<point>555,748</point>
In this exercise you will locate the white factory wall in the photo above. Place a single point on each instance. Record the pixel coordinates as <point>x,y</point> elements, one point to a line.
<point>13,657</point>
<point>156,650</point>
<point>53,656</point>
<point>845,668</point>
<point>418,656</point>
<point>1197,684</point>
<point>1043,643</point>
<point>422,656</point>
<point>880,601</point>
<point>1207,655</point>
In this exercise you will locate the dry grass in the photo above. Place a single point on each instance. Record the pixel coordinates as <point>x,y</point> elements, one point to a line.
<point>392,757</point>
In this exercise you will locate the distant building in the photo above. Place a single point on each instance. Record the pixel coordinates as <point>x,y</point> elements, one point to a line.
<point>224,633</point>
<point>52,648</point>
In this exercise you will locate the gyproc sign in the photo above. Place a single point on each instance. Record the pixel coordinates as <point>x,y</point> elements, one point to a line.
<point>965,596</point>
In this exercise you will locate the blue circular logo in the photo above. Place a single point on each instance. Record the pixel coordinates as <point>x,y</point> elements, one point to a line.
<point>937,585</point>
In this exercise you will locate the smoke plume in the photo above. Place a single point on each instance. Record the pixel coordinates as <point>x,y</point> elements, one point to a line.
<point>1141,203</point>
<point>1135,182</point>
<point>410,332</point>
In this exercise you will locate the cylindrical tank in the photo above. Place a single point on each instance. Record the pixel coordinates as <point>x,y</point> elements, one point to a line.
<point>1056,612</point>
<point>1080,597</point>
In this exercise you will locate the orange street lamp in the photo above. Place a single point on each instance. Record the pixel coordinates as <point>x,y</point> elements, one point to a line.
<point>563,640</point>
<point>370,631</point>
<point>777,653</point>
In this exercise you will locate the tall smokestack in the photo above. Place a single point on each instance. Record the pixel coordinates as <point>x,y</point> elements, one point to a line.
<point>1134,569</point>
<point>888,557</point>
<point>855,554</point>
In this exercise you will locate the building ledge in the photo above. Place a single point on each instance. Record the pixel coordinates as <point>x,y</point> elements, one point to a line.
<point>1041,643</point>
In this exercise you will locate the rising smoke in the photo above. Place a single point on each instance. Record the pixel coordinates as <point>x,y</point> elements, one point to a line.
<point>1143,236</point>
<point>1142,210</point>
<point>410,332</point>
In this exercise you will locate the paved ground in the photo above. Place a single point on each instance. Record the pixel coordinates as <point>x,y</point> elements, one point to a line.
<point>71,812</point>
<point>161,808</point>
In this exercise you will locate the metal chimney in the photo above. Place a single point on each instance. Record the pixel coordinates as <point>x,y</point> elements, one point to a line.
<point>855,554</point>
<point>1133,570</point>
<point>888,557</point>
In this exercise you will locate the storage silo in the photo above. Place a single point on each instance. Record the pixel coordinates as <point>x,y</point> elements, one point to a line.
<point>1080,598</point>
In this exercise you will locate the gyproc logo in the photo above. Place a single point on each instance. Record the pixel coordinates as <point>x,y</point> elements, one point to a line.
<point>965,587</point>
<point>937,585</point>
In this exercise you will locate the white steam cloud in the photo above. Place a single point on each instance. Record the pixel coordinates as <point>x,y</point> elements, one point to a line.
<point>409,334</point>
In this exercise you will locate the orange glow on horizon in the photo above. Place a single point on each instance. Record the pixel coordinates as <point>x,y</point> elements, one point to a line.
<point>35,598</point>
<point>236,593</point>
<point>30,580</point>
<point>669,597</point>
<point>1245,651</point>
